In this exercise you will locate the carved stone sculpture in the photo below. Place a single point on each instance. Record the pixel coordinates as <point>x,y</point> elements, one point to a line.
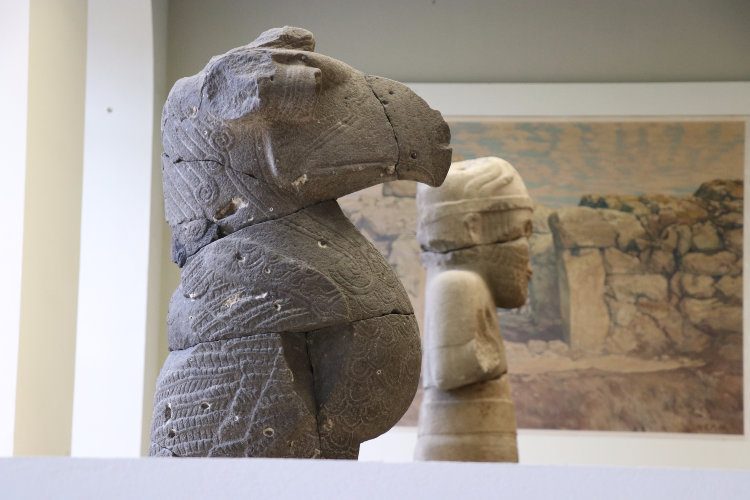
<point>473,231</point>
<point>289,334</point>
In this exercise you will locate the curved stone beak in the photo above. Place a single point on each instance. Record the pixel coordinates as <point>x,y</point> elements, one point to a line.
<point>423,137</point>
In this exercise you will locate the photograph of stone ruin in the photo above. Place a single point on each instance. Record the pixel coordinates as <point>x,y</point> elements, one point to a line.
<point>634,318</point>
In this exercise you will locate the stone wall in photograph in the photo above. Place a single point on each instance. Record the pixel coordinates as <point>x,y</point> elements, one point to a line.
<point>644,275</point>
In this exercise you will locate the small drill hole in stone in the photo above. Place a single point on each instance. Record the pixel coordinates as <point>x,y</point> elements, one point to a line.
<point>205,405</point>
<point>322,243</point>
<point>268,432</point>
<point>379,372</point>
<point>267,270</point>
<point>277,307</point>
<point>171,433</point>
<point>168,412</point>
<point>413,155</point>
<point>391,92</point>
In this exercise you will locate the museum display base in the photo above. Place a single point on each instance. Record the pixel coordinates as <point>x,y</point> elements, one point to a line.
<point>311,479</point>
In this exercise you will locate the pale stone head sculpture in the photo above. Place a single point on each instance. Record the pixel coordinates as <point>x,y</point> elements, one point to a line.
<point>474,235</point>
<point>290,336</point>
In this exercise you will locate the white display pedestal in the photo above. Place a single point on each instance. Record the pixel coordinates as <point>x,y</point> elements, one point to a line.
<point>62,478</point>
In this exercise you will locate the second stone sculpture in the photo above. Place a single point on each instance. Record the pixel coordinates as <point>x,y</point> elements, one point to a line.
<point>289,334</point>
<point>473,232</point>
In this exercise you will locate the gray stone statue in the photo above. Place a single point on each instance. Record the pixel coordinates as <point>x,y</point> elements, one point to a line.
<point>289,334</point>
<point>474,232</point>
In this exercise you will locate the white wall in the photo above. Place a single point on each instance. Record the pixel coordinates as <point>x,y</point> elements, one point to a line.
<point>14,52</point>
<point>487,40</point>
<point>116,272</point>
<point>52,209</point>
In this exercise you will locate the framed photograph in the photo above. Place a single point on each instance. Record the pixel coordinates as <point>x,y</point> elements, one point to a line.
<point>630,350</point>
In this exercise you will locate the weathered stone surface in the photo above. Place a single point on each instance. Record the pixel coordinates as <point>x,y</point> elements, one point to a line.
<point>675,286</point>
<point>582,227</point>
<point>623,203</point>
<point>662,262</point>
<point>483,201</point>
<point>667,317</point>
<point>630,232</point>
<point>705,237</point>
<point>474,234</point>
<point>720,190</point>
<point>290,335</point>
<point>731,220</point>
<point>631,287</point>
<point>365,374</point>
<point>507,283</point>
<point>301,273</point>
<point>476,423</point>
<point>711,315</point>
<point>651,338</point>
<point>731,288</point>
<point>679,210</point>
<point>692,340</point>
<point>622,313</point>
<point>252,137</point>
<point>646,327</point>
<point>618,262</point>
<point>697,285</point>
<point>685,238</point>
<point>462,345</point>
<point>234,397</point>
<point>717,264</point>
<point>622,341</point>
<point>584,312</point>
<point>541,218</point>
<point>543,291</point>
<point>733,240</point>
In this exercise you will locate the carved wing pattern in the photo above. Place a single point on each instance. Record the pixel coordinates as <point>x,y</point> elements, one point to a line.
<point>234,398</point>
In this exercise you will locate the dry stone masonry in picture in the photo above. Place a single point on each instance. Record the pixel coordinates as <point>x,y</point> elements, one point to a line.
<point>289,334</point>
<point>650,274</point>
<point>473,232</point>
<point>635,301</point>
